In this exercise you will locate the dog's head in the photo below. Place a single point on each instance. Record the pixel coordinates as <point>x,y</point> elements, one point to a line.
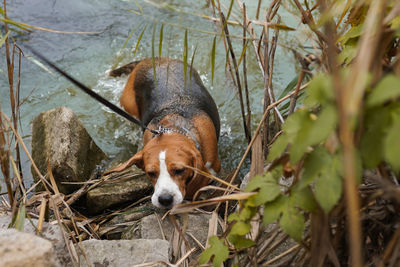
<point>165,160</point>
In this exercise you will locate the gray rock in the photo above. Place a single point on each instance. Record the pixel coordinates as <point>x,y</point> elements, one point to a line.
<point>126,221</point>
<point>123,253</point>
<point>19,249</point>
<point>123,187</point>
<point>50,232</point>
<point>59,137</point>
<point>197,226</point>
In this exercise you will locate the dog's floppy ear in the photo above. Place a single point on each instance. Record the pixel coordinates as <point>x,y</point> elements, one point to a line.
<point>198,181</point>
<point>137,159</point>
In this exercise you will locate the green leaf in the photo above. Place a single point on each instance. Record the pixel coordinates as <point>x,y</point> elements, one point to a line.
<point>295,122</point>
<point>240,242</point>
<point>348,53</point>
<point>20,220</point>
<point>278,147</point>
<point>160,42</point>
<point>292,223</point>
<point>139,39</point>
<point>387,89</point>
<point>244,214</point>
<point>320,91</point>
<point>314,163</point>
<point>302,198</point>
<point>371,146</point>
<point>229,11</point>
<point>247,213</point>
<point>191,64</point>
<point>213,60</point>
<point>306,129</point>
<point>240,228</point>
<point>395,24</point>
<point>291,85</point>
<point>354,32</point>
<point>324,125</point>
<point>259,181</point>
<point>301,132</point>
<point>267,193</point>
<point>3,39</point>
<point>273,210</point>
<point>234,217</point>
<point>217,249</point>
<point>391,143</point>
<point>328,187</point>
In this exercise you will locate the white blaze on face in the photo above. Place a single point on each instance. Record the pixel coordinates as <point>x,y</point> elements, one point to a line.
<point>165,185</point>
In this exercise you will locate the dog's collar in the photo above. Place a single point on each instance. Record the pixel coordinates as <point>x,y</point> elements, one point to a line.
<point>181,130</point>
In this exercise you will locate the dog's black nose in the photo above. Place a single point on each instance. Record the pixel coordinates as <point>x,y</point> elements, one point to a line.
<point>166,200</point>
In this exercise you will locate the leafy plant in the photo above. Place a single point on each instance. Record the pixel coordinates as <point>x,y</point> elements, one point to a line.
<point>348,123</point>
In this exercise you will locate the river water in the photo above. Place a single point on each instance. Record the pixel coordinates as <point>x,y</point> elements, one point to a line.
<point>88,57</point>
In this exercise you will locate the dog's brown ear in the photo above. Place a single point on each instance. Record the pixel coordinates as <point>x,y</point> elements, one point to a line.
<point>137,159</point>
<point>198,181</point>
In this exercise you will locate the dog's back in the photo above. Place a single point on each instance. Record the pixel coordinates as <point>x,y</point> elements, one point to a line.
<point>165,92</point>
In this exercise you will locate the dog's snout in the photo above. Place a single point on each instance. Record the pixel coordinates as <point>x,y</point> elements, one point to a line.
<point>166,200</point>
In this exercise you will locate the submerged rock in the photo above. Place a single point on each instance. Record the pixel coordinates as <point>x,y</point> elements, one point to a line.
<point>60,139</point>
<point>123,252</point>
<point>22,249</point>
<point>120,188</point>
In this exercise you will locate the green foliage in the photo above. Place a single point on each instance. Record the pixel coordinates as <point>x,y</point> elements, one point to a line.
<point>392,142</point>
<point>310,136</point>
<point>382,119</point>
<point>241,242</point>
<point>217,250</point>
<point>304,129</point>
<point>160,41</point>
<point>3,39</point>
<point>20,219</point>
<point>273,210</point>
<point>320,91</point>
<point>292,222</point>
<point>213,59</point>
<point>328,185</point>
<point>387,89</point>
<point>138,41</point>
<point>269,189</point>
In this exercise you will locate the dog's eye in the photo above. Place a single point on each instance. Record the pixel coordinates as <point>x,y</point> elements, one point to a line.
<point>151,174</point>
<point>179,171</point>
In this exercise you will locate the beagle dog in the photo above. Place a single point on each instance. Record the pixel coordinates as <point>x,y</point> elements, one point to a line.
<point>187,121</point>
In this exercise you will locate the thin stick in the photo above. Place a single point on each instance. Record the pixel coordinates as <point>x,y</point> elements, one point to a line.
<point>296,92</point>
<point>246,87</point>
<point>258,9</point>
<point>42,215</point>
<point>239,87</point>
<point>267,98</point>
<point>36,169</point>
